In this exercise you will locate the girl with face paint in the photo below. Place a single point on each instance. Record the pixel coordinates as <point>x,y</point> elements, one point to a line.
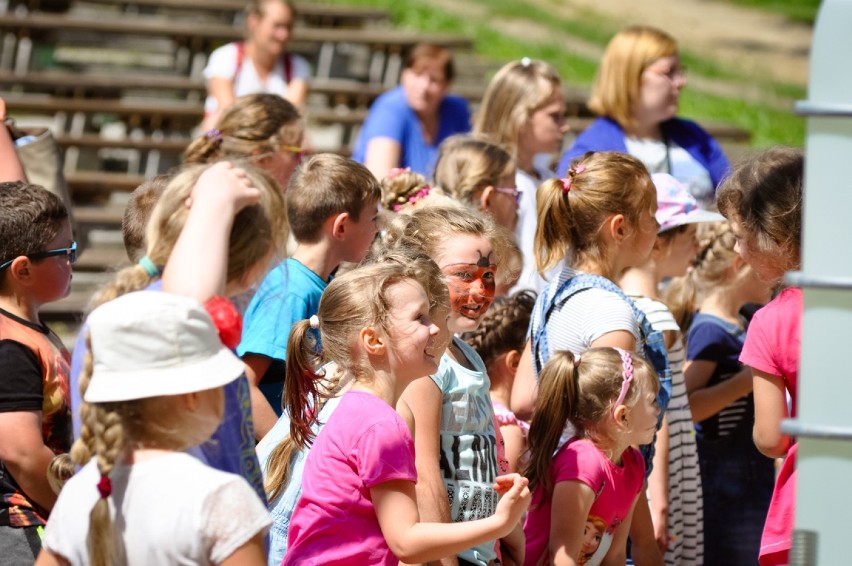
<point>455,438</point>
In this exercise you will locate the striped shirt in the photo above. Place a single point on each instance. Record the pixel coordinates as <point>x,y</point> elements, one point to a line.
<point>686,503</point>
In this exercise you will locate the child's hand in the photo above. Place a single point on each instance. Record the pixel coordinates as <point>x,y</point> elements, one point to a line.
<point>514,501</point>
<point>223,184</point>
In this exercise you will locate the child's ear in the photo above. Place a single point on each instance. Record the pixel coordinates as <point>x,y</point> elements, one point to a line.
<point>372,341</point>
<point>485,198</point>
<point>338,225</point>
<point>20,269</point>
<point>617,227</point>
<point>512,359</point>
<point>620,414</point>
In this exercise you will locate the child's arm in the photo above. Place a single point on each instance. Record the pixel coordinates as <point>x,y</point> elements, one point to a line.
<point>263,414</point>
<point>524,388</point>
<point>770,408</point>
<point>516,443</point>
<point>47,558</point>
<point>644,550</point>
<point>658,486</point>
<point>198,264</point>
<point>415,541</point>
<point>513,546</point>
<point>617,554</point>
<point>25,455</point>
<point>10,167</point>
<point>704,402</point>
<point>423,398</point>
<point>252,552</point>
<point>570,505</point>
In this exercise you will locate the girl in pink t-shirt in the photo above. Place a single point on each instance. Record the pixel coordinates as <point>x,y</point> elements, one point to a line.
<point>358,503</point>
<point>590,485</point>
<point>762,198</point>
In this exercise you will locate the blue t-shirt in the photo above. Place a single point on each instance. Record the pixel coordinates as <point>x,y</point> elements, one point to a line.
<point>391,117</point>
<point>232,446</point>
<point>290,292</point>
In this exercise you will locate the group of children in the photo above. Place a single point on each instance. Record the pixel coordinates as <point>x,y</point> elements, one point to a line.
<point>406,408</point>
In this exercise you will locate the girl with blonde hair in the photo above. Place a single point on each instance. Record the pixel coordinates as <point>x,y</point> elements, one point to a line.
<point>523,109</point>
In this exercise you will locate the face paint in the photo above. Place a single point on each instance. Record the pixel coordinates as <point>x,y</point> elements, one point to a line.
<point>471,286</point>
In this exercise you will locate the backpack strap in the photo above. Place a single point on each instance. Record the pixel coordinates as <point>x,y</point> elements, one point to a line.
<point>288,67</point>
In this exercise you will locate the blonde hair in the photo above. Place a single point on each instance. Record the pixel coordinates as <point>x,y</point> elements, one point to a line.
<point>107,431</point>
<point>256,231</point>
<point>516,92</point>
<point>615,91</point>
<point>432,228</point>
<point>403,188</point>
<point>711,269</point>
<point>468,164</point>
<point>583,393</point>
<point>570,221</point>
<point>324,185</point>
<point>378,273</point>
<point>253,125</point>
<point>764,194</point>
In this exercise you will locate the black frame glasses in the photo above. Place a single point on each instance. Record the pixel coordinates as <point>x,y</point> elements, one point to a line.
<point>512,192</point>
<point>70,251</point>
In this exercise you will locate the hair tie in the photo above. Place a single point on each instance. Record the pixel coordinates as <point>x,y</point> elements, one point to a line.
<point>149,266</point>
<point>572,172</point>
<point>627,377</point>
<point>214,134</point>
<point>105,487</point>
<point>577,361</point>
<point>526,61</point>
<point>566,184</point>
<point>314,321</point>
<point>412,200</point>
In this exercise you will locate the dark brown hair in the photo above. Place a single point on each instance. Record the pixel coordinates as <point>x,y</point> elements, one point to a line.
<point>503,327</point>
<point>431,52</point>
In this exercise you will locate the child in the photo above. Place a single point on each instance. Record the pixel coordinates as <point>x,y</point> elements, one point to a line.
<point>358,503</point>
<point>332,204</point>
<point>282,457</point>
<point>455,435</point>
<point>36,254</point>
<point>253,235</point>
<point>138,211</point>
<point>499,341</point>
<point>674,486</point>
<point>610,398</point>
<point>153,379</point>
<point>480,174</point>
<point>403,188</point>
<point>762,198</point>
<point>736,478</point>
<point>263,128</point>
<point>600,221</point>
<point>523,109</point>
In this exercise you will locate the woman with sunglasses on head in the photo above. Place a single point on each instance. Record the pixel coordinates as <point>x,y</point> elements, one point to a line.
<point>263,128</point>
<point>636,94</point>
<point>260,63</point>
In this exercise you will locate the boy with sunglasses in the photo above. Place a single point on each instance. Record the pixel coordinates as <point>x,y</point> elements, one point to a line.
<point>36,253</point>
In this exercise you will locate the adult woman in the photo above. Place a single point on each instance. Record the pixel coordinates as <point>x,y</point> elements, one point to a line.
<point>636,94</point>
<point>524,109</point>
<point>264,128</point>
<point>406,125</point>
<point>258,64</point>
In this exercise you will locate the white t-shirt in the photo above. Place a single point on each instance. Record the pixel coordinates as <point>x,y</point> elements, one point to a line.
<point>223,63</point>
<point>525,230</point>
<point>171,510</point>
<point>673,159</point>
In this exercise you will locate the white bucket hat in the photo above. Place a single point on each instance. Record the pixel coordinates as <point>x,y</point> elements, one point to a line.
<point>149,343</point>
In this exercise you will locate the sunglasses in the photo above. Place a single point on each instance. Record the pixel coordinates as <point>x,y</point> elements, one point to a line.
<point>71,252</point>
<point>515,193</point>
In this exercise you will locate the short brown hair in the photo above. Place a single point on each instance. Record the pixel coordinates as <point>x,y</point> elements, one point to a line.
<point>431,52</point>
<point>138,211</point>
<point>327,184</point>
<point>30,218</point>
<point>628,54</point>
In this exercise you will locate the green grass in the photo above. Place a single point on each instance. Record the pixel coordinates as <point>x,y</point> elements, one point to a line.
<point>768,126</point>
<point>796,10</point>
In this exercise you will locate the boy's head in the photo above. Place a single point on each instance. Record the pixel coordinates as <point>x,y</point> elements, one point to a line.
<point>35,230</point>
<point>137,213</point>
<point>333,196</point>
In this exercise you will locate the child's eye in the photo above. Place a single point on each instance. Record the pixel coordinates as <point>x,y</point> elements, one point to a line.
<point>488,276</point>
<point>463,275</point>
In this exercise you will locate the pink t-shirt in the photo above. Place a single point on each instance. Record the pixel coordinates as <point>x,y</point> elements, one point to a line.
<point>772,346</point>
<point>616,488</point>
<point>365,443</point>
